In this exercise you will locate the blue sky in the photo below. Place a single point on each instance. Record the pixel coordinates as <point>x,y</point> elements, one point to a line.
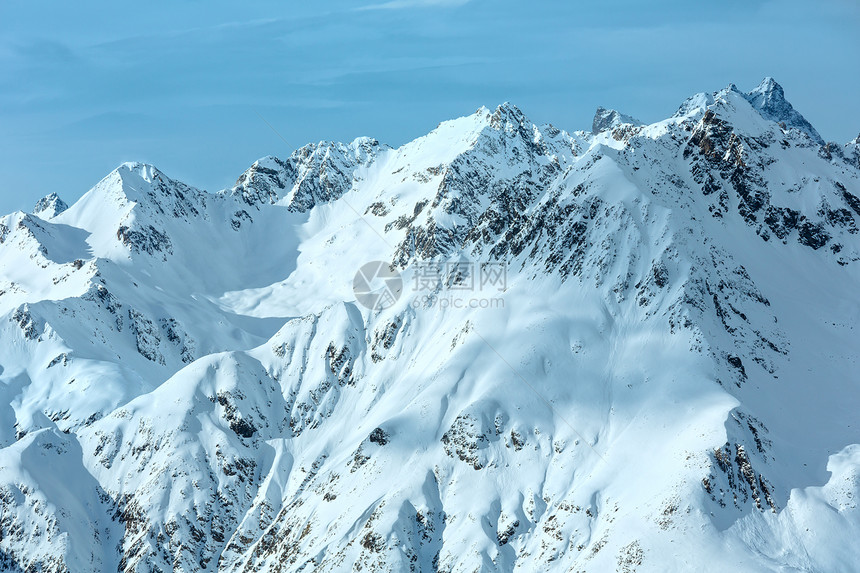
<point>85,86</point>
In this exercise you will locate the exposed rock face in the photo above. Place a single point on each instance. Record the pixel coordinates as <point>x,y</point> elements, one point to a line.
<point>315,173</point>
<point>769,99</point>
<point>620,350</point>
<point>49,206</point>
<point>607,119</point>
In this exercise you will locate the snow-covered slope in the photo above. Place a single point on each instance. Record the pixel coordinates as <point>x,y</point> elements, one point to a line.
<point>633,349</point>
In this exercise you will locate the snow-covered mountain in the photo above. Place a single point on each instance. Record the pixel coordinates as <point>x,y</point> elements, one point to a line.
<point>634,349</point>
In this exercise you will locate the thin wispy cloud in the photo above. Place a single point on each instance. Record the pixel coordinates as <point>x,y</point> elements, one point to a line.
<point>406,4</point>
<point>176,85</point>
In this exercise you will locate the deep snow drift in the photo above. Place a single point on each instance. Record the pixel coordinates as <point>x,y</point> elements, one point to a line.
<point>634,350</point>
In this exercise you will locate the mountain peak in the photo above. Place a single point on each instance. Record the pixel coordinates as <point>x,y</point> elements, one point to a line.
<point>769,100</point>
<point>49,206</point>
<point>145,171</point>
<point>606,119</point>
<point>770,86</point>
<point>508,112</point>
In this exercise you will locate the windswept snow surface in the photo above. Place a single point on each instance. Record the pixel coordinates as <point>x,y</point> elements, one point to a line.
<point>665,380</point>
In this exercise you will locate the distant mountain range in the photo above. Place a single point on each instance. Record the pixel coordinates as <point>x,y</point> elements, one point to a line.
<point>632,349</point>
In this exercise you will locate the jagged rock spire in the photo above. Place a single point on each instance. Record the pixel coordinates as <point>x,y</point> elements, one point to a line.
<point>49,206</point>
<point>606,119</point>
<point>769,99</point>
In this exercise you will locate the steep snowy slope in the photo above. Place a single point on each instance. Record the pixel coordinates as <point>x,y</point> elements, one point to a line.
<point>632,349</point>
